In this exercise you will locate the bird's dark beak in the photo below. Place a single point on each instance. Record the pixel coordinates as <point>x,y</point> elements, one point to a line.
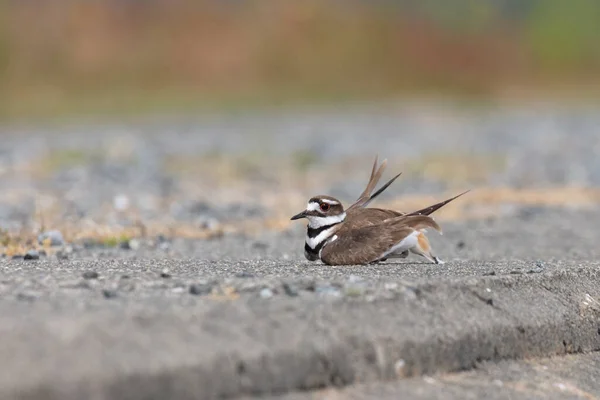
<point>299,215</point>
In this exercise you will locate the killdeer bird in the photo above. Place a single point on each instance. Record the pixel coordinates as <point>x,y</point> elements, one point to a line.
<point>361,235</point>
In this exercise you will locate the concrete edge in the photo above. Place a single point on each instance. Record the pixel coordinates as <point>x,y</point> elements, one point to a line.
<point>493,318</point>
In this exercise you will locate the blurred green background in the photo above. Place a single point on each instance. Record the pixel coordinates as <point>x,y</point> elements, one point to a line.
<point>65,58</point>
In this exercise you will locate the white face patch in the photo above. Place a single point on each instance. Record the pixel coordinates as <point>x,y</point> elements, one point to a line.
<point>312,207</point>
<point>317,222</point>
<point>314,242</point>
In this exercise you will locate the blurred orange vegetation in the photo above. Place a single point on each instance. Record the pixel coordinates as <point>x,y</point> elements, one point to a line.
<point>69,51</point>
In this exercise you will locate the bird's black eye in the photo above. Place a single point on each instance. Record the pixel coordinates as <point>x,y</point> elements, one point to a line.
<point>324,207</point>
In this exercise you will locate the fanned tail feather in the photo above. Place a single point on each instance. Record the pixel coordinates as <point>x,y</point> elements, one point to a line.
<point>431,209</point>
<point>366,197</point>
<point>381,189</point>
<point>373,179</point>
<point>419,222</point>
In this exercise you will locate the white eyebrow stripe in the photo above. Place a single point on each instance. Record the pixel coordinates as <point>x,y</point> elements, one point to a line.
<point>332,202</point>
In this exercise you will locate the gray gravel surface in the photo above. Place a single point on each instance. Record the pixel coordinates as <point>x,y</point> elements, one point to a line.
<point>238,315</point>
<point>152,336</point>
<point>519,233</point>
<point>131,325</point>
<point>95,170</point>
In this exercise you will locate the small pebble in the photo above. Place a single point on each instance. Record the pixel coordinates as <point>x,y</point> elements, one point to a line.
<point>260,245</point>
<point>161,238</point>
<point>134,244</point>
<point>266,293</point>
<point>27,296</point>
<point>32,255</point>
<point>539,267</point>
<point>411,293</point>
<point>109,293</point>
<point>328,290</point>
<point>308,285</point>
<point>208,223</point>
<point>290,290</point>
<point>125,245</point>
<point>460,245</point>
<point>90,275</point>
<point>200,289</point>
<point>17,257</point>
<point>244,274</point>
<point>121,202</point>
<point>165,274</point>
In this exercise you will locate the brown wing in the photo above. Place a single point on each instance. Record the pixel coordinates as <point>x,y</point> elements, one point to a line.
<point>359,217</point>
<point>369,243</point>
<point>366,197</point>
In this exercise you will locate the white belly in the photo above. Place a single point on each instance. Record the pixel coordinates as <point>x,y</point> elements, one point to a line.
<point>407,243</point>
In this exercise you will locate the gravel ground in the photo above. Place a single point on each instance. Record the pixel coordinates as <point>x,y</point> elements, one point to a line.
<point>526,233</point>
<point>224,169</point>
<point>167,316</point>
<point>129,324</point>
